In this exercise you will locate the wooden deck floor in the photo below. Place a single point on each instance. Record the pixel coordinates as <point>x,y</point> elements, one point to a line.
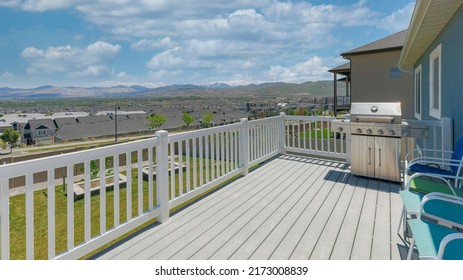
<point>290,208</point>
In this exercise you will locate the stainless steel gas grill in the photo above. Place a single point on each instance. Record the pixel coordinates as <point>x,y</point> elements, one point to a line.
<point>376,129</point>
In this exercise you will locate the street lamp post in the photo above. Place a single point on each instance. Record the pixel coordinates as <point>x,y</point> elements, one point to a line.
<point>115,123</point>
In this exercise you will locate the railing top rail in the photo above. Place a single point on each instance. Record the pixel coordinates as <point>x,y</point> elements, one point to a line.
<point>42,164</point>
<point>310,118</point>
<point>264,120</point>
<point>431,123</point>
<point>202,132</point>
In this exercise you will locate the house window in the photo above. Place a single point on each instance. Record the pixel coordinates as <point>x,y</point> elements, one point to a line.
<point>41,133</point>
<point>417,92</point>
<point>435,63</point>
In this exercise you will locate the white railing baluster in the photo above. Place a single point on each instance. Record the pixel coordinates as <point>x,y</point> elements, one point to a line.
<point>213,157</point>
<point>316,135</point>
<point>140,181</point>
<point>51,212</point>
<point>195,170</point>
<point>5,218</point>
<point>87,202</point>
<point>30,217</point>
<point>180,167</point>
<point>206,156</point>
<point>201,159</point>
<point>128,168</point>
<point>236,161</point>
<point>102,195</point>
<point>322,136</point>
<point>227,152</point>
<point>310,135</point>
<point>70,205</point>
<point>116,190</point>
<point>188,160</point>
<point>150,178</point>
<point>172,171</point>
<point>287,122</point>
<point>293,133</point>
<point>304,134</point>
<point>217,156</point>
<point>222,148</point>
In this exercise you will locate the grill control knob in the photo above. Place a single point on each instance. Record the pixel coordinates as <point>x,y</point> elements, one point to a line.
<point>369,131</point>
<point>380,132</point>
<point>391,132</point>
<point>340,129</point>
<point>358,130</point>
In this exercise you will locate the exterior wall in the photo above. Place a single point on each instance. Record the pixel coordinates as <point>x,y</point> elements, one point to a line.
<point>372,81</point>
<point>451,41</point>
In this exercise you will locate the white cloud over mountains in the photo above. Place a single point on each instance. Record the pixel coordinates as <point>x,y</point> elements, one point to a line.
<point>89,61</point>
<point>209,40</point>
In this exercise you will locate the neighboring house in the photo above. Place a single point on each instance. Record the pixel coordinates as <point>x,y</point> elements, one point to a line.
<point>341,101</point>
<point>39,131</point>
<point>374,74</point>
<point>433,52</point>
<point>101,126</point>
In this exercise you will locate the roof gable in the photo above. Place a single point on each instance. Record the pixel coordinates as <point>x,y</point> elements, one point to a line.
<point>389,43</point>
<point>429,19</point>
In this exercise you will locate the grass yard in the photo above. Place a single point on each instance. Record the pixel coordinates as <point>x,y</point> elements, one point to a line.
<point>18,219</point>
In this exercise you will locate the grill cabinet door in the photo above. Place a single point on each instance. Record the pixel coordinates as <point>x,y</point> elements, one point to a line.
<point>363,155</point>
<point>387,155</point>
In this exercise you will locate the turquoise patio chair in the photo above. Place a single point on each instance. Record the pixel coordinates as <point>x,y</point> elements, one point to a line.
<point>436,240</point>
<point>447,168</point>
<point>415,190</point>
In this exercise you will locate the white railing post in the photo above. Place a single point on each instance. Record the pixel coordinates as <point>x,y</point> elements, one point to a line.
<point>282,133</point>
<point>244,147</point>
<point>4,220</point>
<point>162,175</point>
<point>348,153</point>
<point>447,134</point>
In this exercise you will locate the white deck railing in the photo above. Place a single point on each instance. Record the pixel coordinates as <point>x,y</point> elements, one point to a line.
<point>313,136</point>
<point>160,174</point>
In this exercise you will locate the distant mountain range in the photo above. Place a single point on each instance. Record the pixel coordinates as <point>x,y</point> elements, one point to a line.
<point>216,89</point>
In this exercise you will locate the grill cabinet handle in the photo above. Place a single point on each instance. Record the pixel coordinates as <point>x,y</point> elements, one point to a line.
<point>369,156</point>
<point>379,157</point>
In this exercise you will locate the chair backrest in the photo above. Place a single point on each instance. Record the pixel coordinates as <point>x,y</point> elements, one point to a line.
<point>457,155</point>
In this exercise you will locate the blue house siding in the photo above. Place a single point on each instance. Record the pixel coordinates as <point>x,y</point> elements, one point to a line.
<point>451,40</point>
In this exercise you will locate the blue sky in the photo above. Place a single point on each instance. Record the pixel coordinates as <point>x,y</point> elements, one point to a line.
<point>162,42</point>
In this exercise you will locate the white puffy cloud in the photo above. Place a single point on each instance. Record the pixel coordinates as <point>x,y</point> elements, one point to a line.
<point>151,44</point>
<point>89,61</point>
<point>313,69</point>
<point>167,59</point>
<point>234,40</point>
<point>38,5</point>
<point>6,75</point>
<point>398,20</point>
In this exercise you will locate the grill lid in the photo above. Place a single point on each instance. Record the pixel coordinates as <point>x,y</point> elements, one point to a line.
<point>381,112</point>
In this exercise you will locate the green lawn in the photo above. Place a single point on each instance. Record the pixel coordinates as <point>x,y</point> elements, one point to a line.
<point>316,134</point>
<point>18,220</point>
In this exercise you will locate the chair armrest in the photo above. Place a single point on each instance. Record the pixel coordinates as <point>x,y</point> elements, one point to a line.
<point>445,241</point>
<point>440,196</point>
<point>428,175</point>
<point>420,152</point>
<point>442,162</point>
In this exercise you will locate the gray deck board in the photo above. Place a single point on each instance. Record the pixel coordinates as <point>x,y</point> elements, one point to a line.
<point>253,215</point>
<point>363,239</point>
<point>381,247</point>
<point>290,208</point>
<point>325,244</point>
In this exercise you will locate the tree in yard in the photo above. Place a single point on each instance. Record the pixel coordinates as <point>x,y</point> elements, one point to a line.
<point>207,119</point>
<point>156,121</point>
<point>10,136</point>
<point>188,119</point>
